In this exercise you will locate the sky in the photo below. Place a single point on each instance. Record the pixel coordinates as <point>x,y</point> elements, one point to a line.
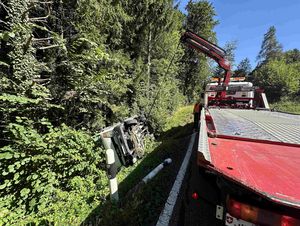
<point>246,21</point>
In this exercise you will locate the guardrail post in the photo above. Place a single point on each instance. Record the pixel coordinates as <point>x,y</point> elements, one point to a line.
<point>112,175</point>
<point>155,171</point>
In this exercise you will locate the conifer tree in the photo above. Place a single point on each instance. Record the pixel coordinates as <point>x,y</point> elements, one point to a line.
<point>200,19</point>
<point>243,68</point>
<point>270,47</point>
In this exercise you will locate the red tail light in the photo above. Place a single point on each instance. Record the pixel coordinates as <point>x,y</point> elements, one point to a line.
<point>249,213</point>
<point>234,208</point>
<point>259,216</point>
<point>242,211</point>
<point>289,221</point>
<point>195,195</point>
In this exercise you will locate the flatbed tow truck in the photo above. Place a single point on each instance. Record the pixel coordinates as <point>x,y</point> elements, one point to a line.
<point>248,152</point>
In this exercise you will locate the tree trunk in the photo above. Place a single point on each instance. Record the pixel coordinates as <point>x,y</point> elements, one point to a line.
<point>149,60</point>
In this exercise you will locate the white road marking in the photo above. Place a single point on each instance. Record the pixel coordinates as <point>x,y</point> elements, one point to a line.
<point>166,214</point>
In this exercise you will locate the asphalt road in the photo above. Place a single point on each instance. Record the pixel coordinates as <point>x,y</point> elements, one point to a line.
<point>202,211</point>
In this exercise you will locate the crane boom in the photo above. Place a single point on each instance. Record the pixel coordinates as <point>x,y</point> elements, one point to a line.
<point>211,50</point>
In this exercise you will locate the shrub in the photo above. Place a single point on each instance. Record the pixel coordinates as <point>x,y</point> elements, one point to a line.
<point>43,173</point>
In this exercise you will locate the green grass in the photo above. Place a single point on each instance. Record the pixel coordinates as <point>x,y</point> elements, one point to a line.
<point>143,206</point>
<point>287,106</point>
<point>181,117</point>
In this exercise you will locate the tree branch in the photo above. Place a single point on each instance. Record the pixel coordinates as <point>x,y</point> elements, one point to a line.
<point>38,2</point>
<point>41,80</point>
<point>3,22</point>
<point>41,19</point>
<point>41,39</point>
<point>47,47</point>
<point>4,6</point>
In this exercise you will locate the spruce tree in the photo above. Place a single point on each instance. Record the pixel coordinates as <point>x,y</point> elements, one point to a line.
<point>243,68</point>
<point>200,19</point>
<point>229,48</point>
<point>270,47</point>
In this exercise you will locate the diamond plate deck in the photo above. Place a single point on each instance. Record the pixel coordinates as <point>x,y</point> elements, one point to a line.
<point>263,125</point>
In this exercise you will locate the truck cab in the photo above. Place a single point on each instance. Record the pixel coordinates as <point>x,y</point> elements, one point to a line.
<point>241,91</point>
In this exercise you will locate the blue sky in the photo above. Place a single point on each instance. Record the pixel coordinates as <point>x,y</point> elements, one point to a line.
<point>246,21</point>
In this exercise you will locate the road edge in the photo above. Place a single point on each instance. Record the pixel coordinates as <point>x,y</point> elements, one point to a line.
<point>166,214</point>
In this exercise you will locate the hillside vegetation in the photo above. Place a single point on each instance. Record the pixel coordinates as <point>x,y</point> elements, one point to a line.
<point>287,106</point>
<point>68,69</point>
<point>278,71</point>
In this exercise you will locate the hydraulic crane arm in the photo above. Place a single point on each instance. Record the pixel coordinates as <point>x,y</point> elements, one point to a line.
<point>211,50</point>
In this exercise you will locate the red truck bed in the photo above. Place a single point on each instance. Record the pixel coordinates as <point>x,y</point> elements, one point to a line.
<point>257,149</point>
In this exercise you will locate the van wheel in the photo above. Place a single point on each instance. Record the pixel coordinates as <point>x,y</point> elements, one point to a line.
<point>130,122</point>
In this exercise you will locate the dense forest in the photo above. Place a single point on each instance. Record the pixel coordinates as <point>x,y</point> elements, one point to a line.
<point>69,68</point>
